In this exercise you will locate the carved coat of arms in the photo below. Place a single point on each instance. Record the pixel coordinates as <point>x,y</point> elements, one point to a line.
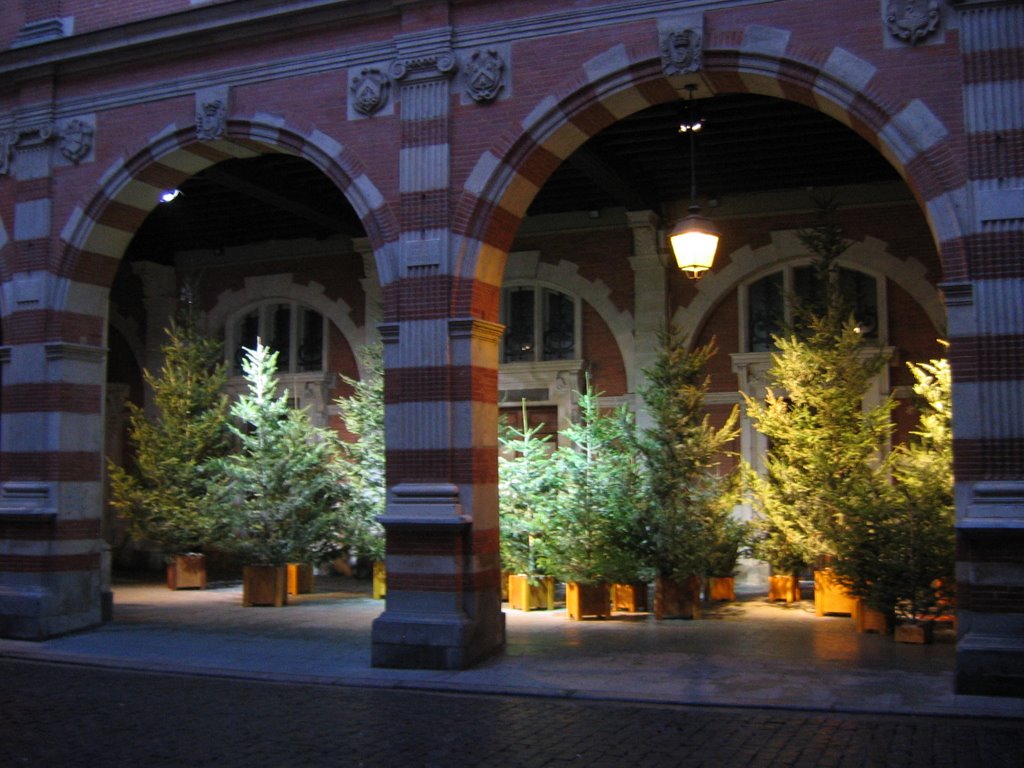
<point>912,20</point>
<point>681,52</point>
<point>484,75</point>
<point>370,89</point>
<point>75,140</point>
<point>211,120</point>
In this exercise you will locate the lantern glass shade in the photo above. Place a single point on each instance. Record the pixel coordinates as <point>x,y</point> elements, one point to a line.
<point>694,242</point>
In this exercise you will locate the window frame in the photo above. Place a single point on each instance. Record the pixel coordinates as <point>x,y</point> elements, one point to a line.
<point>265,309</point>
<point>539,289</point>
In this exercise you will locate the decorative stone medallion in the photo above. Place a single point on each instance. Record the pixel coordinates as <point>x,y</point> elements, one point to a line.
<point>370,90</point>
<point>75,141</point>
<point>485,71</point>
<point>682,51</point>
<point>912,21</point>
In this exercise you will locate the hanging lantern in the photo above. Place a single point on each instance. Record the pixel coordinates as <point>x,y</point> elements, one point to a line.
<point>694,241</point>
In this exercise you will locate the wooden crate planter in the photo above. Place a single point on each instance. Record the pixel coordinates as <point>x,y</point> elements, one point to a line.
<point>785,588</point>
<point>830,597</point>
<point>677,600</point>
<point>587,600</point>
<point>265,585</point>
<point>630,597</point>
<point>187,572</point>
<point>380,580</point>
<point>869,620</point>
<point>721,589</point>
<point>524,596</point>
<point>300,579</point>
<point>920,633</point>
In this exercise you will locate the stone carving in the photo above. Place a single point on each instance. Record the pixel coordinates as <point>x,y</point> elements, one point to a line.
<point>31,138</point>
<point>485,75</point>
<point>211,119</point>
<point>682,51</point>
<point>912,20</point>
<point>75,140</point>
<point>370,89</point>
<point>423,67</point>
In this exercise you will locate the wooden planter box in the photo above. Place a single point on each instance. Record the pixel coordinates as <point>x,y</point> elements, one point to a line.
<point>524,596</point>
<point>630,597</point>
<point>587,600</point>
<point>187,572</point>
<point>265,585</point>
<point>721,589</point>
<point>300,578</point>
<point>829,597</point>
<point>380,580</point>
<point>870,620</point>
<point>677,600</point>
<point>785,588</point>
<point>920,634</point>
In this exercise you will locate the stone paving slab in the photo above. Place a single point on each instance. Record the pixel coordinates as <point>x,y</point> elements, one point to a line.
<point>748,653</point>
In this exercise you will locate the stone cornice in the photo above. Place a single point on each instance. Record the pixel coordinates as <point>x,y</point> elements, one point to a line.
<point>192,32</point>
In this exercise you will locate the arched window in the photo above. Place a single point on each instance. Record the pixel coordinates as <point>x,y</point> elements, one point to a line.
<point>768,312</point>
<point>294,331</point>
<point>540,324</point>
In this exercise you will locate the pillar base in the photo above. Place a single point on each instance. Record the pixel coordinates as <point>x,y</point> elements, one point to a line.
<point>61,604</point>
<point>990,665</point>
<point>417,641</point>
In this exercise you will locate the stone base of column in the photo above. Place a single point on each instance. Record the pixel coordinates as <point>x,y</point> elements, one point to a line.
<point>54,605</point>
<point>404,640</point>
<point>990,665</point>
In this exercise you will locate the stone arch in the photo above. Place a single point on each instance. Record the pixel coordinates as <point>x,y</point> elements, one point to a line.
<point>870,254</point>
<point>281,286</point>
<point>565,276</point>
<point>756,59</point>
<point>97,236</point>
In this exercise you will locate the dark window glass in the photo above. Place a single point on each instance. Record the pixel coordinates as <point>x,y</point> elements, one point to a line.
<point>248,333</point>
<point>280,334</point>
<point>519,331</point>
<point>559,326</point>
<point>766,312</point>
<point>310,340</point>
<point>860,292</point>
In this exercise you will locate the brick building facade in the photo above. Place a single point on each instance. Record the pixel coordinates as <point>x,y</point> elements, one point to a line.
<point>438,123</point>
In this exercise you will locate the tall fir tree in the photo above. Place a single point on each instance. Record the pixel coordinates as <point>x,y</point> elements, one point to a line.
<point>162,493</point>
<point>688,525</point>
<point>527,487</point>
<point>592,526</point>
<point>276,493</point>
<point>825,491</point>
<point>362,460</point>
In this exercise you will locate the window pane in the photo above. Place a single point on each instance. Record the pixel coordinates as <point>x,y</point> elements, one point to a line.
<point>248,332</point>
<point>860,291</point>
<point>559,326</point>
<point>765,312</point>
<point>280,334</point>
<point>519,330</point>
<point>310,340</point>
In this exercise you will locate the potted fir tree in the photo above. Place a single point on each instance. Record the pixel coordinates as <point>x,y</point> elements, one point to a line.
<point>527,486</point>
<point>361,466</point>
<point>690,498</point>
<point>276,494</point>
<point>723,557</point>
<point>162,494</point>
<point>591,537</point>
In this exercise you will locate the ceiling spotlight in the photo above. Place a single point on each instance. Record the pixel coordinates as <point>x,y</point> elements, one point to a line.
<point>169,195</point>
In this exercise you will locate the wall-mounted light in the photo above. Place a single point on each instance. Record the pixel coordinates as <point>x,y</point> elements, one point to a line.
<point>170,195</point>
<point>694,238</point>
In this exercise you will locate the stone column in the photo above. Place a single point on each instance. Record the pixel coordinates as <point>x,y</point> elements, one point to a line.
<point>650,299</point>
<point>443,597</point>
<point>985,331</point>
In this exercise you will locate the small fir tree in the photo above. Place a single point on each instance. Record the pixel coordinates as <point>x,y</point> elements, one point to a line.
<point>277,493</point>
<point>923,555</point>
<point>591,534</point>
<point>689,526</point>
<point>527,487</point>
<point>362,462</point>
<point>162,494</point>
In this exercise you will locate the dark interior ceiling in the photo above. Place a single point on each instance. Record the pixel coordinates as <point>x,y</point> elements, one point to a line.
<point>748,144</point>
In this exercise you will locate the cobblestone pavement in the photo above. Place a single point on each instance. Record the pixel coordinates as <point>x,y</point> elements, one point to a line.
<point>59,715</point>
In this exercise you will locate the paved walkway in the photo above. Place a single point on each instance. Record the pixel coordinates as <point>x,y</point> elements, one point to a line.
<point>744,654</point>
